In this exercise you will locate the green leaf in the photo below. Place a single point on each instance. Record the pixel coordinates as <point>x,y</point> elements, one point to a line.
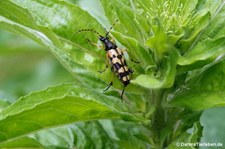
<point>59,137</point>
<point>127,135</point>
<point>136,51</point>
<point>215,28</point>
<point>109,134</point>
<point>93,135</point>
<point>159,42</point>
<point>168,72</point>
<point>23,142</point>
<point>202,44</point>
<point>3,104</point>
<point>209,44</point>
<point>57,106</point>
<point>55,33</point>
<point>132,35</point>
<point>192,135</point>
<point>206,90</point>
<point>207,49</point>
<point>196,26</point>
<point>113,11</point>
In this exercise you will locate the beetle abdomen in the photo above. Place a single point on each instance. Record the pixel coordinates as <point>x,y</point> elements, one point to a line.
<point>119,65</point>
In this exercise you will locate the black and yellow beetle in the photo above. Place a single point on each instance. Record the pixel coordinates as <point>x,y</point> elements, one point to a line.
<point>116,59</point>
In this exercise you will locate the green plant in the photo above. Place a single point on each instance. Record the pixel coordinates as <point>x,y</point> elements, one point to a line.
<point>179,44</point>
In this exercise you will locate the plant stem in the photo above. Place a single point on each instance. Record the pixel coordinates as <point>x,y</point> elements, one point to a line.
<point>158,119</point>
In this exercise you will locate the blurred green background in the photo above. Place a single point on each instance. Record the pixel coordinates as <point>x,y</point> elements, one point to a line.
<point>26,66</point>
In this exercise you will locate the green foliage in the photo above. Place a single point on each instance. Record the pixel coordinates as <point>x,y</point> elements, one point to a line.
<point>179,44</point>
<point>23,142</point>
<point>206,85</point>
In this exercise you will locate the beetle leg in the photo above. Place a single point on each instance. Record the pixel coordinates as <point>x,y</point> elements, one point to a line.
<point>95,44</point>
<point>134,61</point>
<point>122,93</point>
<point>111,83</point>
<point>106,66</point>
<point>113,40</point>
<point>125,50</point>
<point>130,70</point>
<point>101,71</point>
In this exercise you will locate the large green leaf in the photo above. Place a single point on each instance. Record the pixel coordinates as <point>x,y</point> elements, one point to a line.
<point>205,90</point>
<point>56,106</point>
<point>23,142</point>
<point>109,134</point>
<point>105,134</point>
<point>204,50</point>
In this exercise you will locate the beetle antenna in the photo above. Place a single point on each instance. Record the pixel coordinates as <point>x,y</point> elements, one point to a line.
<point>89,30</point>
<point>111,27</point>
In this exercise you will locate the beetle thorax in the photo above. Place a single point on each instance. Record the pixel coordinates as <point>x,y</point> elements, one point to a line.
<point>107,43</point>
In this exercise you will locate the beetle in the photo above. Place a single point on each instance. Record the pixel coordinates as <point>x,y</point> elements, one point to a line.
<point>115,58</point>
